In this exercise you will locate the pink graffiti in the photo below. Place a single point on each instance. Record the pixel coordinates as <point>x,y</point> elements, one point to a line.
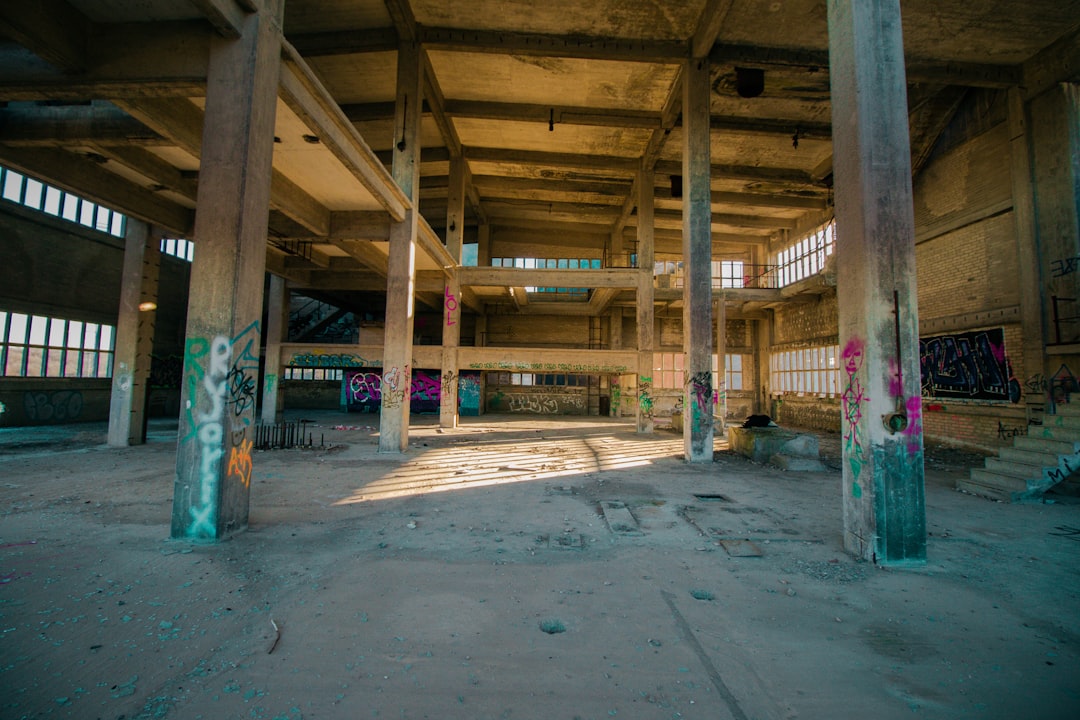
<point>365,386</point>
<point>914,428</point>
<point>853,399</point>
<point>896,385</point>
<point>451,305</point>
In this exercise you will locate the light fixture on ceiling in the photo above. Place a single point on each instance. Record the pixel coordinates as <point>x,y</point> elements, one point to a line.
<point>749,82</point>
<point>147,306</point>
<point>311,139</point>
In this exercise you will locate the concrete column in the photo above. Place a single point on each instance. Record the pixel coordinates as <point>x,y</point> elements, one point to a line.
<point>1029,269</point>
<point>483,245</point>
<point>1055,139</point>
<point>221,357</point>
<point>481,341</point>
<point>721,359</point>
<point>615,329</point>
<point>401,268</point>
<point>451,332</point>
<point>277,324</point>
<point>884,506</point>
<point>134,335</point>
<point>646,319</point>
<point>697,264</point>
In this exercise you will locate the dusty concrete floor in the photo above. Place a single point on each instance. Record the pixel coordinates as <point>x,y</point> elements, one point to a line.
<point>424,586</point>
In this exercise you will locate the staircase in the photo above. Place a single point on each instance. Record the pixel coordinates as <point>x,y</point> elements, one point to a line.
<point>1049,454</point>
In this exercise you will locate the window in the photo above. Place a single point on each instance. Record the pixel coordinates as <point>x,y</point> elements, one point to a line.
<point>806,256</point>
<point>292,373</point>
<point>40,346</point>
<point>183,249</point>
<point>806,371</point>
<point>532,379</point>
<point>36,195</point>
<point>669,371</point>
<point>552,264</point>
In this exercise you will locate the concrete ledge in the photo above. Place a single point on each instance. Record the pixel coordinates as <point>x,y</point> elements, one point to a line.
<point>761,444</point>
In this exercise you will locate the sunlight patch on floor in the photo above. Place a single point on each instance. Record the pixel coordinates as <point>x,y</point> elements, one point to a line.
<point>475,466</point>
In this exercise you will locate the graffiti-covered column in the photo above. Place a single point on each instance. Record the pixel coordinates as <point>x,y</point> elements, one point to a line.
<point>451,331</point>
<point>884,508</point>
<point>134,335</point>
<point>646,230</point>
<point>277,322</point>
<point>221,359</point>
<point>697,264</point>
<point>401,267</point>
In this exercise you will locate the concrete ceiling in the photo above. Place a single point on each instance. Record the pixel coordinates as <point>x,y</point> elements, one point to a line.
<point>554,105</point>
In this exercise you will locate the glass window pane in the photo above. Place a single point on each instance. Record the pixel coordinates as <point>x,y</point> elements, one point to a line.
<point>13,183</point>
<point>106,337</point>
<point>34,357</point>
<point>37,329</point>
<point>53,367</point>
<point>86,213</point>
<point>117,228</point>
<point>90,338</point>
<point>53,197</point>
<point>104,368</point>
<point>74,334</point>
<point>71,208</point>
<point>71,363</point>
<point>35,191</point>
<point>17,328</point>
<point>56,333</point>
<point>103,217</point>
<point>14,360</point>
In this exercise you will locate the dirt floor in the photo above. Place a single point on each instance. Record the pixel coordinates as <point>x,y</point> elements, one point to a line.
<point>517,568</point>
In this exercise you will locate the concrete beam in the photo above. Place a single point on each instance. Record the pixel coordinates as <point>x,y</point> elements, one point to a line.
<point>543,45</point>
<point>517,277</point>
<point>51,29</point>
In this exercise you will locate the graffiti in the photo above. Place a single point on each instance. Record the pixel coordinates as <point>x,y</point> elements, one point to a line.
<point>451,304</point>
<point>240,462</point>
<point>3,408</point>
<point>565,367</point>
<point>469,393</point>
<point>166,372</point>
<point>363,392</point>
<point>853,399</point>
<point>269,384</point>
<point>645,401</point>
<point>241,390</point>
<point>1064,470</point>
<point>1007,433</point>
<point>206,424</point>
<point>703,397</point>
<point>327,360</point>
<point>62,405</point>
<point>544,404</point>
<point>616,398</point>
<point>967,365</point>
<point>913,431</point>
<point>393,379</point>
<point>1065,266</point>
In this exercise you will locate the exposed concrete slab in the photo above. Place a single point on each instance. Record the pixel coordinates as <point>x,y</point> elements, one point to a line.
<point>429,594</point>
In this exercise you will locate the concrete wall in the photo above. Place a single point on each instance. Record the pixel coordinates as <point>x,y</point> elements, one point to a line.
<point>57,268</point>
<point>537,400</point>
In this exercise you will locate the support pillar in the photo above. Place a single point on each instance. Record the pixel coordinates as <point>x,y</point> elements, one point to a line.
<point>134,335</point>
<point>1029,269</point>
<point>883,474</point>
<point>277,323</point>
<point>401,267</point>
<point>646,319</point>
<point>221,357</point>
<point>451,332</point>
<point>721,360</point>
<point>1055,141</point>
<point>697,264</point>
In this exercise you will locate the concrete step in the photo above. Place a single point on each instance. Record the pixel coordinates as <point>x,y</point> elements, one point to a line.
<point>1024,470</point>
<point>1058,447</point>
<point>990,491</point>
<point>1006,482</point>
<point>1072,409</point>
<point>1058,421</point>
<point>1028,457</point>
<point>1065,433</point>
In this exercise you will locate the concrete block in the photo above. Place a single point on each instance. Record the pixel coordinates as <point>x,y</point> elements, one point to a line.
<point>760,444</point>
